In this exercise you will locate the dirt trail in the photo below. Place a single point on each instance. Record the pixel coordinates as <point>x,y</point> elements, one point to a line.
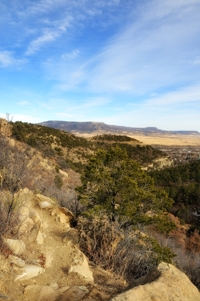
<point>65,273</point>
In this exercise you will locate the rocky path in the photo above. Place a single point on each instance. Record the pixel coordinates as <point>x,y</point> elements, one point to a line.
<point>44,262</point>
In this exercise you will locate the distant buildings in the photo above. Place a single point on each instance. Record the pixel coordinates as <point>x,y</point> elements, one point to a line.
<point>181,154</point>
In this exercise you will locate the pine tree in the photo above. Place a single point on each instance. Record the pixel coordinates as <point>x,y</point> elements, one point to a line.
<point>115,185</point>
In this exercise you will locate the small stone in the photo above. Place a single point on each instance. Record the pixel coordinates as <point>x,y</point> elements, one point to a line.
<point>17,261</point>
<point>17,246</point>
<point>30,271</point>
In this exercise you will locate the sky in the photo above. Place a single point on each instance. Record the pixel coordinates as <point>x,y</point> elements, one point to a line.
<point>123,62</point>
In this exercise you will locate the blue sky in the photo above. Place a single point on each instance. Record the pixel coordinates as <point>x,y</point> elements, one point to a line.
<point>132,62</point>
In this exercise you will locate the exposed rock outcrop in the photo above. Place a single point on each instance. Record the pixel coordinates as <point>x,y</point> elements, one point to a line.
<point>44,263</point>
<point>159,163</point>
<point>162,162</point>
<point>80,266</point>
<point>171,285</point>
<point>5,128</point>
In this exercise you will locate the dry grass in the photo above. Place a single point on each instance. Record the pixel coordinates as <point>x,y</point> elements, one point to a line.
<point>153,139</point>
<point>169,139</point>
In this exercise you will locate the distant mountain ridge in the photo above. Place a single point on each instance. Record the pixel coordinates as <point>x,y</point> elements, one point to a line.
<point>91,127</point>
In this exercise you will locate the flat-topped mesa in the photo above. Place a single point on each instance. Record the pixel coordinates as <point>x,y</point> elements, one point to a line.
<point>92,126</point>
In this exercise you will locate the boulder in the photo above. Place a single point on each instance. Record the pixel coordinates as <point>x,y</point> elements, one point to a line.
<point>25,227</point>
<point>81,267</point>
<point>171,285</point>
<point>34,216</point>
<point>74,293</point>
<point>17,246</point>
<point>17,261</point>
<point>40,293</point>
<point>63,173</point>
<point>23,213</point>
<point>63,215</point>
<point>29,271</point>
<point>45,202</point>
<point>34,231</point>
<point>39,239</point>
<point>48,293</point>
<point>28,230</point>
<point>71,237</point>
<point>83,272</point>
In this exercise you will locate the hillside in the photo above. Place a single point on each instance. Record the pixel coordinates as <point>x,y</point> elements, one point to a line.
<point>81,219</point>
<point>182,183</point>
<point>73,151</point>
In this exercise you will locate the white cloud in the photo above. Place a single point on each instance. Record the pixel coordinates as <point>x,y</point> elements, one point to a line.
<point>7,59</point>
<point>149,54</point>
<point>65,116</point>
<point>70,105</point>
<point>70,55</point>
<point>25,118</point>
<point>196,60</point>
<point>54,17</point>
<point>164,48</point>
<point>22,117</point>
<point>36,44</point>
<point>23,103</point>
<point>156,9</point>
<point>94,102</point>
<point>188,95</point>
<point>37,7</point>
<point>136,52</point>
<point>165,118</point>
<point>52,30</point>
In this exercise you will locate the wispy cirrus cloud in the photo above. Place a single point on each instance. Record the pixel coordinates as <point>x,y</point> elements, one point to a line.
<point>70,55</point>
<point>7,59</point>
<point>43,22</point>
<point>68,104</point>
<point>49,35</point>
<point>36,44</point>
<point>93,102</point>
<point>23,103</point>
<point>158,10</point>
<point>56,17</point>
<point>164,45</point>
<point>196,60</point>
<point>184,95</point>
<point>157,49</point>
<point>84,110</point>
<point>71,109</point>
<point>116,60</point>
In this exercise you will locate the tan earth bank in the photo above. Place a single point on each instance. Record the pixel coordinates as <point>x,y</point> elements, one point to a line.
<point>44,263</point>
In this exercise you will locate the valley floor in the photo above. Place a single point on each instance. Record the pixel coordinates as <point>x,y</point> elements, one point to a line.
<point>168,139</point>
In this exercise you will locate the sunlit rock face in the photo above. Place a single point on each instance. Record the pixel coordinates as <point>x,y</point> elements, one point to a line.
<point>171,285</point>
<point>5,128</point>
